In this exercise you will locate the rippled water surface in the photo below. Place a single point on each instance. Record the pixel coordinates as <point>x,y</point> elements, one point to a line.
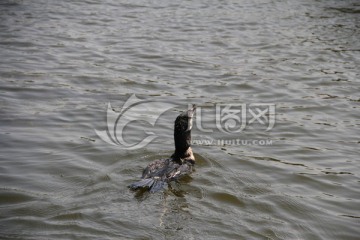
<point>62,62</point>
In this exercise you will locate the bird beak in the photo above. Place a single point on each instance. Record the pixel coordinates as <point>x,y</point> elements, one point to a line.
<point>191,111</point>
<point>190,114</point>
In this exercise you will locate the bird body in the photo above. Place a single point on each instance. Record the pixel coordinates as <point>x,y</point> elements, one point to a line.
<point>159,173</point>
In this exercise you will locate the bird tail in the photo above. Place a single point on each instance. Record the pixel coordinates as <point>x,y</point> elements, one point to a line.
<point>154,185</point>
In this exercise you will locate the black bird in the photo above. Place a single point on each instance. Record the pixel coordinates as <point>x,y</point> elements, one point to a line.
<point>159,173</point>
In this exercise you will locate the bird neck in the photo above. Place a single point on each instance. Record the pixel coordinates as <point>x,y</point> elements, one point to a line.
<point>182,142</point>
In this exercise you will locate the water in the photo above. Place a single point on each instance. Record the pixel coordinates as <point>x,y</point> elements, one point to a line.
<point>63,61</point>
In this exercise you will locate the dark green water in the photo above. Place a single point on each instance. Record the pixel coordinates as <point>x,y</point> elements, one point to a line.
<point>62,62</point>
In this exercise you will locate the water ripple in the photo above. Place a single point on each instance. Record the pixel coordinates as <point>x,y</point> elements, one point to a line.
<point>62,62</point>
